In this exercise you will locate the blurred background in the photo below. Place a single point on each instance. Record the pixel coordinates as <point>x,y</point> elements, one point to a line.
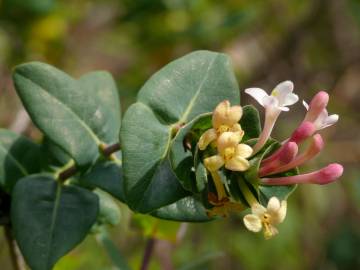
<point>315,43</point>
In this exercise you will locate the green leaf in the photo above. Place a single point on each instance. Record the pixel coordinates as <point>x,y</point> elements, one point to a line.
<point>50,219</point>
<point>77,115</point>
<point>55,155</point>
<point>185,88</point>
<point>188,209</point>
<point>109,211</point>
<point>182,160</point>
<point>106,175</point>
<point>250,122</point>
<point>18,157</point>
<point>281,192</point>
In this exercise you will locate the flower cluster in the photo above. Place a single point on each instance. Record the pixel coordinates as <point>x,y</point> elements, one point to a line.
<point>233,155</point>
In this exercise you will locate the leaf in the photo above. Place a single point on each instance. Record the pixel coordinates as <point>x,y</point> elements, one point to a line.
<point>18,157</point>
<point>188,209</point>
<point>55,155</point>
<point>281,192</point>
<point>106,175</point>
<point>185,88</point>
<point>109,211</point>
<point>50,219</point>
<point>182,160</point>
<point>250,122</point>
<point>77,116</point>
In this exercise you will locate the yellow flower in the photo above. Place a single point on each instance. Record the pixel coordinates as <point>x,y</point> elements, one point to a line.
<point>266,218</point>
<point>225,118</point>
<point>230,153</point>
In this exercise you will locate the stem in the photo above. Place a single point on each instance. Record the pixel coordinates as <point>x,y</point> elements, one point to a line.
<point>148,253</point>
<point>249,197</point>
<point>107,151</point>
<point>15,255</point>
<point>110,149</point>
<point>218,185</point>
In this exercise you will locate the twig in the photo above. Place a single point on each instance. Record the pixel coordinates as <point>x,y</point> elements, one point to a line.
<point>110,149</point>
<point>148,253</point>
<point>71,171</point>
<point>16,257</point>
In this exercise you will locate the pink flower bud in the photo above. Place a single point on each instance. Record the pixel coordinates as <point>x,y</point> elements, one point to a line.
<point>304,131</point>
<point>321,177</point>
<point>314,148</point>
<point>285,156</point>
<point>316,106</point>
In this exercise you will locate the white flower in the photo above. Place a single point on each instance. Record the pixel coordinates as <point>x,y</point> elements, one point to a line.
<point>281,97</point>
<point>323,120</point>
<point>266,218</point>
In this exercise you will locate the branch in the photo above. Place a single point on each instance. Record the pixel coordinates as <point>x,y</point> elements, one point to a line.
<point>148,253</point>
<point>107,151</point>
<point>16,257</point>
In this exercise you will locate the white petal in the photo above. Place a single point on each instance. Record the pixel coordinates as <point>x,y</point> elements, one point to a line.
<point>243,150</point>
<point>273,205</point>
<point>213,163</point>
<point>258,209</point>
<point>257,93</point>
<point>306,105</point>
<point>330,120</point>
<point>320,121</point>
<point>270,102</point>
<point>282,91</point>
<point>206,138</point>
<point>290,99</point>
<point>284,109</point>
<point>284,88</point>
<point>252,223</point>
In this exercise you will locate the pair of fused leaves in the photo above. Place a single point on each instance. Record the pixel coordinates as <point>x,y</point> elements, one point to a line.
<point>171,98</point>
<point>77,117</point>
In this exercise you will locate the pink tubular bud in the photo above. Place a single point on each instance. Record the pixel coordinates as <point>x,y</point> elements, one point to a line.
<point>317,105</point>
<point>286,155</point>
<point>304,131</point>
<point>314,148</point>
<point>321,177</point>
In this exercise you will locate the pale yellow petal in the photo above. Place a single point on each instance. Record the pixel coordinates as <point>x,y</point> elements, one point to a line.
<point>282,212</point>
<point>273,206</point>
<point>228,139</point>
<point>235,128</point>
<point>213,163</point>
<point>258,209</point>
<point>244,150</point>
<point>220,113</point>
<point>237,164</point>
<point>206,138</point>
<point>252,223</point>
<point>234,115</point>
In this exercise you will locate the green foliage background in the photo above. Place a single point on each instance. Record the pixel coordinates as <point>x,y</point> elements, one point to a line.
<point>314,43</point>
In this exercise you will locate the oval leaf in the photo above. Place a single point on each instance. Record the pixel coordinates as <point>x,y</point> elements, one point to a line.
<point>187,209</point>
<point>185,88</point>
<point>76,115</point>
<point>18,157</point>
<point>50,219</point>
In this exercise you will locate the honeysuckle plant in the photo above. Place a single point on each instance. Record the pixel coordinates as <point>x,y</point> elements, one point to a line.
<point>186,151</point>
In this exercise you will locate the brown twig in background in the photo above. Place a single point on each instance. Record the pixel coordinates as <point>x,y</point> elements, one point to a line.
<point>148,253</point>
<point>16,257</point>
